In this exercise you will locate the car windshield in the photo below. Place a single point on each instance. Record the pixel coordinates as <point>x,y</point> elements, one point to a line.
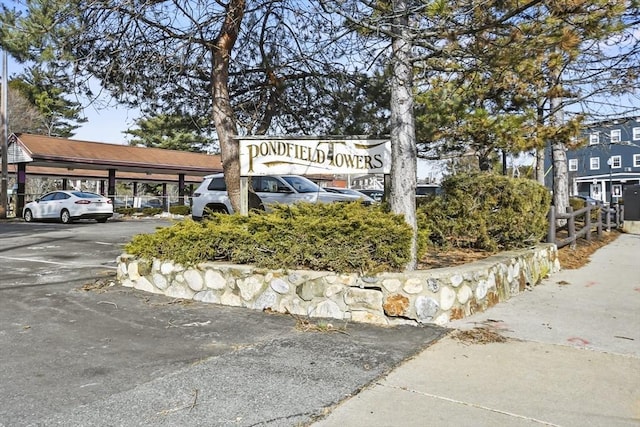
<point>302,185</point>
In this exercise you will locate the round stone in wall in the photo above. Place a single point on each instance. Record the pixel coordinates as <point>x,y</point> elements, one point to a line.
<point>160,281</point>
<point>249,287</point>
<point>267,299</point>
<point>327,308</point>
<point>464,293</point>
<point>447,298</point>
<point>481,290</point>
<point>413,286</point>
<point>194,280</point>
<point>396,305</point>
<point>214,280</point>
<point>280,286</point>
<point>391,285</point>
<point>426,308</point>
<point>456,280</point>
<point>132,270</point>
<point>166,268</point>
<point>176,290</point>
<point>433,285</point>
<point>332,290</point>
<point>207,296</point>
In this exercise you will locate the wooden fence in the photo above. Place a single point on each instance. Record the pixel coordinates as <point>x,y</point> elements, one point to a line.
<point>581,224</point>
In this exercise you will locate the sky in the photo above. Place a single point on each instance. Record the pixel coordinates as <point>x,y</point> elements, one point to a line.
<point>103,125</point>
<point>106,125</point>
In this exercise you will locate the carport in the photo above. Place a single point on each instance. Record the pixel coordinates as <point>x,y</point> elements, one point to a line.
<point>39,155</point>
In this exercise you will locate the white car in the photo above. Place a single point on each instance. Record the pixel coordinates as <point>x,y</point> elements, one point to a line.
<point>212,196</point>
<point>365,198</point>
<point>67,206</point>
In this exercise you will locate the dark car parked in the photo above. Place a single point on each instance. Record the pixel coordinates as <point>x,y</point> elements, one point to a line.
<point>365,199</point>
<point>374,194</point>
<point>152,203</point>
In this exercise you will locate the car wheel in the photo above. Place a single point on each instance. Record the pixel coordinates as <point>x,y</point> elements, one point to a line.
<point>28,216</point>
<point>208,212</point>
<point>102,220</point>
<point>65,216</point>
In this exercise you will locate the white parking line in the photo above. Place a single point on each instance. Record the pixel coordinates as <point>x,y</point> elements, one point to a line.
<point>58,263</point>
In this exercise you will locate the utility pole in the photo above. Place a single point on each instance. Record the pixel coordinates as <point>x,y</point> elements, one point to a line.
<point>4,136</point>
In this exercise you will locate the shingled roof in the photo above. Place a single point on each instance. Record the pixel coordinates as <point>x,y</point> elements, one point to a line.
<point>39,150</point>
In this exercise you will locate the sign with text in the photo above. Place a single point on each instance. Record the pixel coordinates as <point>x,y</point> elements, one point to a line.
<point>314,156</point>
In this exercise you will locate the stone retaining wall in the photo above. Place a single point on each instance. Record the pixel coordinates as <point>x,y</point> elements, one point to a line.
<point>423,296</point>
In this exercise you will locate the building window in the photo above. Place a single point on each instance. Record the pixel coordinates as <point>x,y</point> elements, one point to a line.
<point>573,164</point>
<point>615,136</point>
<point>636,160</point>
<point>617,190</point>
<point>594,138</point>
<point>594,163</point>
<point>636,134</point>
<point>616,162</point>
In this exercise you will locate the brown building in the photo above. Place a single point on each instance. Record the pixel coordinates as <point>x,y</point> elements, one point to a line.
<point>37,155</point>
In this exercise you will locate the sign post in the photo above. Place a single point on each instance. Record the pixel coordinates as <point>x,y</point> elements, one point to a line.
<point>4,135</point>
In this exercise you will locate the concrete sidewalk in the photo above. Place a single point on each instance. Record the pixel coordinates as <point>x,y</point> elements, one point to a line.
<point>573,359</point>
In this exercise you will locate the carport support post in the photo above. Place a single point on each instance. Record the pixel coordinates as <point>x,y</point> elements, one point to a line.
<point>387,187</point>
<point>244,196</point>
<point>22,181</point>
<point>4,124</point>
<point>181,189</point>
<point>111,192</point>
<point>165,201</point>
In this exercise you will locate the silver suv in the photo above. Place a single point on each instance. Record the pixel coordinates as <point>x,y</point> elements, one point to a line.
<point>212,196</point>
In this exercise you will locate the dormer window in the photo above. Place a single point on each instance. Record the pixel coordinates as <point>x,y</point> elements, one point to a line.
<point>573,165</point>
<point>615,136</point>
<point>616,162</point>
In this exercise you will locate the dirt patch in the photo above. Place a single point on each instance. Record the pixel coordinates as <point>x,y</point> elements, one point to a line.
<point>576,257</point>
<point>478,336</point>
<point>451,257</point>
<point>570,257</point>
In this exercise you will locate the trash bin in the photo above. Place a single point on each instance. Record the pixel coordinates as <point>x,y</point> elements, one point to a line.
<point>631,197</point>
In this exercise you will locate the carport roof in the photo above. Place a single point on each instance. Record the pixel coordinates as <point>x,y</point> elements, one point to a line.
<point>44,171</point>
<point>39,150</point>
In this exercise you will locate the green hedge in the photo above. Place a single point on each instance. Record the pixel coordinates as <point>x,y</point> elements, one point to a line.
<point>479,211</point>
<point>343,237</point>
<point>175,210</point>
<point>486,211</point>
<point>180,210</point>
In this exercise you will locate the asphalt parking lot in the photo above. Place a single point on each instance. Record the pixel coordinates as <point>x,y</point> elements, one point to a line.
<point>76,352</point>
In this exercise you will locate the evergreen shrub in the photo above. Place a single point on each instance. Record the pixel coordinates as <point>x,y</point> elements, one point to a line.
<point>487,212</point>
<point>577,203</point>
<point>126,211</point>
<point>341,237</point>
<point>151,211</point>
<point>180,210</point>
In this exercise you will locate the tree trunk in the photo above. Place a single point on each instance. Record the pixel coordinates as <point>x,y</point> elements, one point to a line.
<point>223,115</point>
<point>539,171</point>
<point>560,181</point>
<point>559,159</point>
<point>402,198</point>
<point>539,163</point>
